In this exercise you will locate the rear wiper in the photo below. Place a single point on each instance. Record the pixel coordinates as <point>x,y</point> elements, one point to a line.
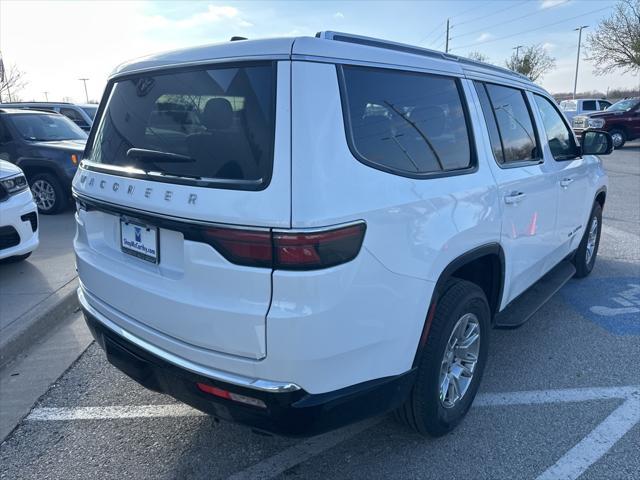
<point>155,156</point>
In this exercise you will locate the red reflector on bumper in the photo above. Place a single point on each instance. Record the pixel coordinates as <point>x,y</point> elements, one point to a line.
<point>236,397</point>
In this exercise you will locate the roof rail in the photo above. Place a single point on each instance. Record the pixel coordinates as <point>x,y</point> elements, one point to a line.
<point>403,47</point>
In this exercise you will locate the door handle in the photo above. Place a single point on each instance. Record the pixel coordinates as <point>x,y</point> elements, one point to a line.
<point>514,197</point>
<point>565,182</point>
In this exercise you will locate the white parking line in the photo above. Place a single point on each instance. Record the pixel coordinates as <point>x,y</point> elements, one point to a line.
<point>591,448</point>
<point>303,451</point>
<point>111,413</point>
<point>569,467</point>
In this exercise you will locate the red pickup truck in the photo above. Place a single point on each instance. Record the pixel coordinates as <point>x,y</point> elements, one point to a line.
<point>621,120</point>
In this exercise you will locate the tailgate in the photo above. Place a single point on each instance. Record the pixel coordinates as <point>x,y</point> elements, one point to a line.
<point>220,158</point>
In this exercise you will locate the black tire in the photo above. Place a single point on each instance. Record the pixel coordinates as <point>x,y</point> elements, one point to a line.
<point>617,133</point>
<point>424,411</point>
<point>56,201</point>
<point>16,258</point>
<point>584,265</point>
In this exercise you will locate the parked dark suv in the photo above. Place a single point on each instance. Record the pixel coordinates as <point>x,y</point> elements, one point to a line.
<point>621,120</point>
<point>47,146</point>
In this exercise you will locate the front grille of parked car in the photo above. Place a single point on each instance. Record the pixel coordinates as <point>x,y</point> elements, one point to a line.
<point>3,193</point>
<point>8,237</point>
<point>32,218</point>
<point>579,122</point>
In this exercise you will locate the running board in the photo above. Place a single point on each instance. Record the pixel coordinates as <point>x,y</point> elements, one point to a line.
<point>529,302</point>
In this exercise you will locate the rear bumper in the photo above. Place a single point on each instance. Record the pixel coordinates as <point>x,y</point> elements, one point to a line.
<point>290,413</point>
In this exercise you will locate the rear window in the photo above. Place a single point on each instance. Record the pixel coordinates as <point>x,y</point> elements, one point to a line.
<point>569,105</point>
<point>209,124</point>
<point>406,123</point>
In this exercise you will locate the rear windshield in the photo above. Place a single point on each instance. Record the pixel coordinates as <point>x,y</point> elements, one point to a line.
<point>211,124</point>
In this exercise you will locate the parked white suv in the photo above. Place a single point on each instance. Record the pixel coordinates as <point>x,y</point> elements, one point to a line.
<point>18,215</point>
<point>298,233</point>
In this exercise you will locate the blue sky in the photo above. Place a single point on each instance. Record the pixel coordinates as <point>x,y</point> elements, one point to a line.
<point>58,42</point>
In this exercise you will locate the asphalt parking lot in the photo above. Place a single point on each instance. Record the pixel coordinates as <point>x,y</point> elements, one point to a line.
<point>560,398</point>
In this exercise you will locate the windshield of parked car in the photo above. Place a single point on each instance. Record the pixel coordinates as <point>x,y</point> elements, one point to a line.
<point>91,111</point>
<point>623,105</point>
<point>569,105</point>
<point>46,128</point>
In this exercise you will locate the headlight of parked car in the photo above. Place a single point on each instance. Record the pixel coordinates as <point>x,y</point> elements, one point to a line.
<point>596,122</point>
<point>15,184</point>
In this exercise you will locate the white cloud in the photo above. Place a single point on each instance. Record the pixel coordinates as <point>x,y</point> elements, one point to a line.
<point>484,37</point>
<point>338,15</point>
<point>548,46</point>
<point>244,24</point>
<point>551,3</point>
<point>213,14</point>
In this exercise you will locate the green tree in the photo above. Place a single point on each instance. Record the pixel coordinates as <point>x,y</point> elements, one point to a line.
<point>533,62</point>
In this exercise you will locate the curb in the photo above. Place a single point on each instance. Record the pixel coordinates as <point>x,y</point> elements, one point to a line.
<point>33,324</point>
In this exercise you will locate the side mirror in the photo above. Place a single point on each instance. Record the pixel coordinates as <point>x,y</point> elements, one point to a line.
<point>596,142</point>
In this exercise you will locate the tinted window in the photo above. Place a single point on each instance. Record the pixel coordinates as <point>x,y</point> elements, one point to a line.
<point>490,120</point>
<point>405,122</point>
<point>74,116</point>
<point>5,136</point>
<point>91,111</point>
<point>604,105</point>
<point>514,123</point>
<point>220,120</point>
<point>561,141</point>
<point>589,105</point>
<point>46,128</point>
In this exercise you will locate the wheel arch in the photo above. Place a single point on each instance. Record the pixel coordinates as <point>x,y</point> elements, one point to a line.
<point>34,166</point>
<point>601,196</point>
<point>471,266</point>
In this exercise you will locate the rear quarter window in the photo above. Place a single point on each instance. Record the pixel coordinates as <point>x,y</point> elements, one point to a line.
<point>408,123</point>
<point>220,120</point>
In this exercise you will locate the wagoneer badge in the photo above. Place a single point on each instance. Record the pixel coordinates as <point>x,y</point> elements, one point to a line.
<point>168,195</point>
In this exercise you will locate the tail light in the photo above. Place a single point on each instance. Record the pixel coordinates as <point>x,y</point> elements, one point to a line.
<point>287,251</point>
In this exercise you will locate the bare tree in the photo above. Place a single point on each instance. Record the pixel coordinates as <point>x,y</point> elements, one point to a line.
<point>480,57</point>
<point>12,84</point>
<point>615,44</point>
<point>533,62</point>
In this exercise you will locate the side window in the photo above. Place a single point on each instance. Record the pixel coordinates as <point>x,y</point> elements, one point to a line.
<point>405,122</point>
<point>603,105</point>
<point>5,136</point>
<point>589,105</point>
<point>490,119</point>
<point>74,116</point>
<point>561,141</point>
<point>514,124</point>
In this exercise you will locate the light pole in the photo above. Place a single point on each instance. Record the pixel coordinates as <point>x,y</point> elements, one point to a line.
<point>575,82</point>
<point>84,80</point>
<point>46,96</point>
<point>517,49</point>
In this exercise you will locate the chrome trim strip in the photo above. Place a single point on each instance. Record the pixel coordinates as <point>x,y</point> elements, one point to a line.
<point>242,381</point>
<point>97,203</point>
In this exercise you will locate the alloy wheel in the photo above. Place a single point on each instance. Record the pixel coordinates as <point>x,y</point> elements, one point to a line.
<point>459,360</point>
<point>44,194</point>
<point>591,240</point>
<point>617,139</point>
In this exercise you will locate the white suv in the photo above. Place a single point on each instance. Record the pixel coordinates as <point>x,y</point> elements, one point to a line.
<point>298,233</point>
<point>18,215</point>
